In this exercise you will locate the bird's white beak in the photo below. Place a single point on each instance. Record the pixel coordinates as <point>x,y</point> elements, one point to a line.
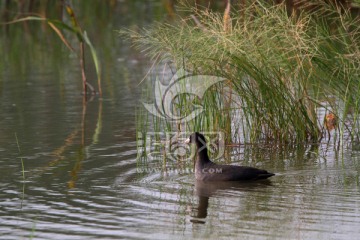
<point>187,141</point>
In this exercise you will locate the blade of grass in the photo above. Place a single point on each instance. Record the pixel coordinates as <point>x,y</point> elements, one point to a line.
<point>96,61</point>
<point>22,170</point>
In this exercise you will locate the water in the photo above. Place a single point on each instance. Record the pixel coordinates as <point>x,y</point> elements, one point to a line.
<point>82,179</point>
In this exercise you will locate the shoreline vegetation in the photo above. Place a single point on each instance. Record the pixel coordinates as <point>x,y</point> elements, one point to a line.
<point>60,26</point>
<point>290,77</point>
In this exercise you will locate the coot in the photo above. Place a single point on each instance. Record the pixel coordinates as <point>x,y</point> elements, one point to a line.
<point>206,170</point>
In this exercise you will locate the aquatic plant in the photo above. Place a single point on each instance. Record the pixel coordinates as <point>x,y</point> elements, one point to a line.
<point>22,170</point>
<point>283,70</point>
<point>59,27</point>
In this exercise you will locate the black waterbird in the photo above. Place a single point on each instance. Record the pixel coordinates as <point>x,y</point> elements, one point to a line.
<point>206,170</point>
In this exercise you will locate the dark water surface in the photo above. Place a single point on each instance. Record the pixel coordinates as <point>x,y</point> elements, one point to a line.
<point>81,179</point>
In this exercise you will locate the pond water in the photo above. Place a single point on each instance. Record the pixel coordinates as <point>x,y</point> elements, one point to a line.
<point>81,173</point>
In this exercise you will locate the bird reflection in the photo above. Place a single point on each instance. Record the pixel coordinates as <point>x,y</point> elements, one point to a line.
<point>206,190</point>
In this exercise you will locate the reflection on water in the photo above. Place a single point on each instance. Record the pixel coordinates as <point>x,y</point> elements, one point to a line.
<point>81,170</point>
<point>206,190</point>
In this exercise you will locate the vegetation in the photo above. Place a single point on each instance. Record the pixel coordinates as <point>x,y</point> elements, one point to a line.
<point>22,170</point>
<point>59,26</point>
<point>285,72</point>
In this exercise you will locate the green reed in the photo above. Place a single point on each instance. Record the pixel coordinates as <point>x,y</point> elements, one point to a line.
<point>281,70</point>
<point>60,27</point>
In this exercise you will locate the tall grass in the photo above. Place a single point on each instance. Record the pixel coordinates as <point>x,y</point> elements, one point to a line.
<point>281,70</point>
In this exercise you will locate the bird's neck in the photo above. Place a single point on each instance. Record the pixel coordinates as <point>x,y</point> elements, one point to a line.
<point>202,155</point>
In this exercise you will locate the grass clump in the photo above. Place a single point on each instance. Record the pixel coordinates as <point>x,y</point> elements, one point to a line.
<point>284,72</point>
